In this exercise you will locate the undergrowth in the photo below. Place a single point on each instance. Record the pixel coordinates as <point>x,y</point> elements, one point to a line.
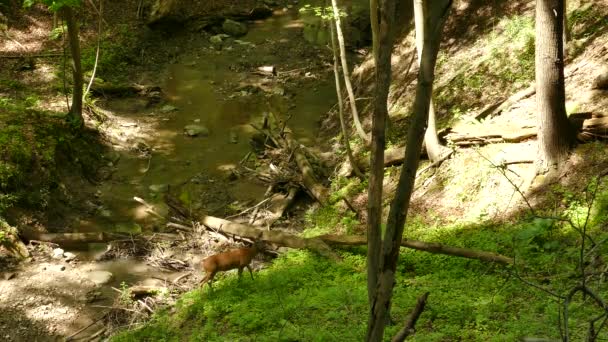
<point>303,297</point>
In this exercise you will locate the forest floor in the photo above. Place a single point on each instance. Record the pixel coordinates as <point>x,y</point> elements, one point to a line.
<point>48,298</point>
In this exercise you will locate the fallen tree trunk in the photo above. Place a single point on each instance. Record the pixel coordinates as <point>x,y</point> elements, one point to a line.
<point>431,247</point>
<point>320,243</point>
<point>280,238</point>
<point>63,239</point>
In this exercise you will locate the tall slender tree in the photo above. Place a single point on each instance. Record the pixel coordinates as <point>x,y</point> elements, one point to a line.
<point>346,72</point>
<point>386,257</point>
<point>382,16</point>
<point>75,114</point>
<point>66,9</point>
<point>345,137</point>
<point>434,149</point>
<point>555,133</point>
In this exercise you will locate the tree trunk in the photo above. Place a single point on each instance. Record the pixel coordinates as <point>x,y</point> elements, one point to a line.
<point>385,13</point>
<point>555,135</point>
<point>434,149</point>
<point>75,115</point>
<point>345,137</point>
<point>381,302</point>
<point>346,73</point>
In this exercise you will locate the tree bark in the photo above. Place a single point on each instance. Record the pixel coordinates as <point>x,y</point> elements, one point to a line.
<point>555,135</point>
<point>346,73</point>
<point>434,149</point>
<point>380,305</point>
<point>75,114</point>
<point>345,137</point>
<point>383,36</point>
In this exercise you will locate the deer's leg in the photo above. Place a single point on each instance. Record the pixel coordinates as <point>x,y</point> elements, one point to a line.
<point>250,272</point>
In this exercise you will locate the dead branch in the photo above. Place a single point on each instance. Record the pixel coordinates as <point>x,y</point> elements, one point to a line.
<point>410,323</point>
<point>279,203</point>
<point>316,189</point>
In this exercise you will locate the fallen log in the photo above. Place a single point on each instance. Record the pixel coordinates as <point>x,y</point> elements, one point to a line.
<point>63,239</point>
<point>321,243</point>
<point>309,179</point>
<point>277,237</point>
<point>431,247</point>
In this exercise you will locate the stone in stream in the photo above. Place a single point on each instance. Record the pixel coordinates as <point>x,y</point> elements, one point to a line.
<point>69,256</point>
<point>233,137</point>
<point>168,108</point>
<point>196,130</point>
<point>216,40</point>
<point>57,253</point>
<point>234,28</point>
<point>158,187</point>
<point>100,277</point>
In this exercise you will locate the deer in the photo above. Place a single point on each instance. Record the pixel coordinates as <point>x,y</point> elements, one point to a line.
<point>235,258</point>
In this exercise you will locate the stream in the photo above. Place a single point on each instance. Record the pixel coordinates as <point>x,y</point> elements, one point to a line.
<point>200,89</point>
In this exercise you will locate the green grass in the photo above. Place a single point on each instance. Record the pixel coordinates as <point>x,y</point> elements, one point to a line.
<point>303,297</point>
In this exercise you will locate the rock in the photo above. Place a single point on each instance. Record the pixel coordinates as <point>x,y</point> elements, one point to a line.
<point>158,187</point>
<point>216,40</point>
<point>234,28</point>
<point>168,108</point>
<point>57,253</point>
<point>244,43</point>
<point>69,256</point>
<point>100,277</point>
<point>9,275</point>
<point>601,81</point>
<point>196,130</point>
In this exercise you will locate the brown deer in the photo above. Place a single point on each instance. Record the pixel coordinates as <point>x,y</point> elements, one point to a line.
<point>235,258</point>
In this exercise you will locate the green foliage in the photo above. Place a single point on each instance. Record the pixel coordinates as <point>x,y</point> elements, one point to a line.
<point>304,297</point>
<point>117,53</point>
<point>54,5</point>
<point>325,13</point>
<point>58,31</point>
